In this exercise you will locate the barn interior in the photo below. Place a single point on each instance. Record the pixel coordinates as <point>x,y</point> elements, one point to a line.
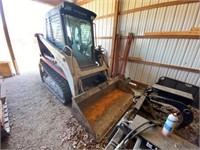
<point>93,74</point>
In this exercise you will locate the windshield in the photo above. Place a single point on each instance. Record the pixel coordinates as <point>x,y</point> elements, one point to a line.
<point>79,38</point>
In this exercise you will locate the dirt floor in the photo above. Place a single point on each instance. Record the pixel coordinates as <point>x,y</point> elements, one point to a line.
<point>38,120</point>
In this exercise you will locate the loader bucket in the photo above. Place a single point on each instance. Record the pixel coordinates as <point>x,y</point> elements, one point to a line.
<point>99,109</point>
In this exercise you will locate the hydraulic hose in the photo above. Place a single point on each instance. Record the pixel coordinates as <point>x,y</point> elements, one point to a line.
<point>119,146</point>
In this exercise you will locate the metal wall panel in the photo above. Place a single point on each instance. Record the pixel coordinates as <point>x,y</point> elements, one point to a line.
<point>104,26</point>
<point>179,52</point>
<point>167,51</point>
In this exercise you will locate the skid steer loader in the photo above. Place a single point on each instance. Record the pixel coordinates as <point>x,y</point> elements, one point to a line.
<point>77,72</point>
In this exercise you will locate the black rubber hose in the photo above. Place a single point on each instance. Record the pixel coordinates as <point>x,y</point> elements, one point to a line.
<point>138,132</point>
<point>150,126</point>
<point>131,132</point>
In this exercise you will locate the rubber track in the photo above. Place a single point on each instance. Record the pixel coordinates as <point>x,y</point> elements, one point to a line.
<point>59,80</point>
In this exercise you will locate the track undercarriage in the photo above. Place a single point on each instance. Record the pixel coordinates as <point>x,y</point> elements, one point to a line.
<point>55,83</point>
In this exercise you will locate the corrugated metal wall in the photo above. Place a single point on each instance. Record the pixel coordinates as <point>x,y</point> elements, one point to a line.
<point>179,52</point>
<point>104,26</point>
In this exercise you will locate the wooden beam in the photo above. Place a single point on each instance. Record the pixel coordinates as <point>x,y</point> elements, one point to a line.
<point>8,39</point>
<point>137,37</point>
<point>176,34</point>
<point>165,4</point>
<point>195,29</point>
<point>115,64</point>
<point>138,60</point>
<point>116,12</point>
<point>134,58</point>
<point>83,2</point>
<point>180,34</point>
<point>173,33</point>
<point>104,37</point>
<point>105,16</point>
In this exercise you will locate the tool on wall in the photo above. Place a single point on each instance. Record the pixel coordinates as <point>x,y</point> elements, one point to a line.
<point>116,56</point>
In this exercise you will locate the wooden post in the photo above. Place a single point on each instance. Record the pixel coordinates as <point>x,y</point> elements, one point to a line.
<point>115,63</point>
<point>8,39</point>
<point>116,13</point>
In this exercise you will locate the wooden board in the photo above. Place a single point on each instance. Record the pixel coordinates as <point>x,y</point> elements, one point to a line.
<point>173,33</point>
<point>195,29</point>
<point>139,60</point>
<point>176,34</point>
<point>5,69</point>
<point>115,23</point>
<point>159,5</point>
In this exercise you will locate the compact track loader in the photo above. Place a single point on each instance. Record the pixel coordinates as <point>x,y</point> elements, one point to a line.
<point>77,72</point>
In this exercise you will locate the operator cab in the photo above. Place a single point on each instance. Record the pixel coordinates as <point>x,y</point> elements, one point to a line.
<point>79,38</point>
<point>74,28</point>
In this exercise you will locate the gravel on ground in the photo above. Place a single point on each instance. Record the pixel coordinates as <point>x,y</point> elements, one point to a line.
<point>38,120</point>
